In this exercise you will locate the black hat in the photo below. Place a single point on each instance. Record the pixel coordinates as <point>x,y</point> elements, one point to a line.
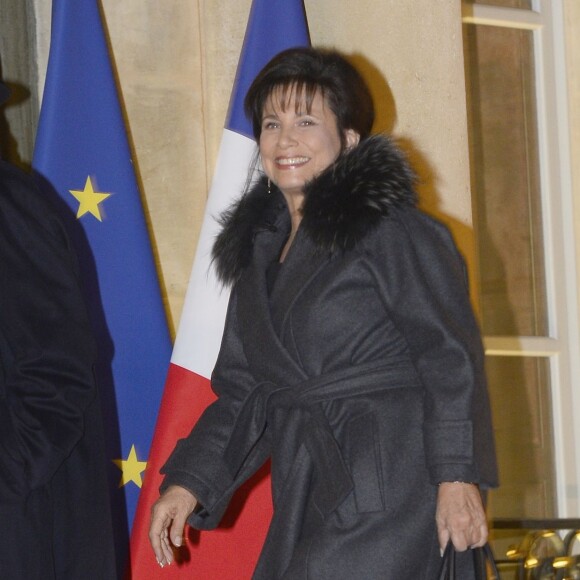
<point>4,92</point>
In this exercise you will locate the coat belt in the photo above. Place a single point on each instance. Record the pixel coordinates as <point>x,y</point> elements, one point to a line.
<point>302,400</point>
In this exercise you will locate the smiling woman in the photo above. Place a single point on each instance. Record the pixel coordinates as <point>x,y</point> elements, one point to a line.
<point>298,142</point>
<point>350,354</point>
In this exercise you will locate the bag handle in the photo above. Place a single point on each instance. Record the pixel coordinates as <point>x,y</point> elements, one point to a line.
<point>447,571</point>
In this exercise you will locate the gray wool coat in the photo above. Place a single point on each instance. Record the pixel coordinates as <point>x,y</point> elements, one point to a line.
<point>360,373</point>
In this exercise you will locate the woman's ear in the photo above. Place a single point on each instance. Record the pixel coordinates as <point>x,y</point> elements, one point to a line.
<point>351,139</point>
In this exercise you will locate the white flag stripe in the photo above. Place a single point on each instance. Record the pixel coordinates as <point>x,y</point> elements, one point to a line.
<point>202,320</point>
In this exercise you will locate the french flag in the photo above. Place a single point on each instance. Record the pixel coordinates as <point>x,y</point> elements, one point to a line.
<point>231,551</point>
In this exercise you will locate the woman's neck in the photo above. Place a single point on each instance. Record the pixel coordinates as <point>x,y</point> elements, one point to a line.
<point>294,203</point>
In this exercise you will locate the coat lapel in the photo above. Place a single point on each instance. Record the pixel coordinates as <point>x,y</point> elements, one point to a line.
<point>265,353</point>
<point>262,318</point>
<point>303,262</point>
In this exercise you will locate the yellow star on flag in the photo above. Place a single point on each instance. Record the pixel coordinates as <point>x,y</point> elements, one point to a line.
<point>89,200</point>
<point>131,468</point>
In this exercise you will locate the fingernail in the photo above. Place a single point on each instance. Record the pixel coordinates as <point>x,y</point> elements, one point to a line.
<point>177,541</point>
<point>159,562</point>
<point>441,552</point>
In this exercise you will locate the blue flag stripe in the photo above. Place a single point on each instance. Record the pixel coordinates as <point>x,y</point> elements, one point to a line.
<point>273,26</point>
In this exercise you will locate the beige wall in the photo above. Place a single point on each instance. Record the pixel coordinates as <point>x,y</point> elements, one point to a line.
<point>176,62</point>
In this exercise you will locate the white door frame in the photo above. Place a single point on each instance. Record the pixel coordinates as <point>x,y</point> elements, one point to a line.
<point>562,346</point>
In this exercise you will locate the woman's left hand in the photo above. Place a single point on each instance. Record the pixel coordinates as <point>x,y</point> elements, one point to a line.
<point>460,516</point>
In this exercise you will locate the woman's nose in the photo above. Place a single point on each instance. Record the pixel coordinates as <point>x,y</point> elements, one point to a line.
<point>287,136</point>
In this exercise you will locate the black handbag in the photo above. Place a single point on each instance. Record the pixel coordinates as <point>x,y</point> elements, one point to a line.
<point>481,557</point>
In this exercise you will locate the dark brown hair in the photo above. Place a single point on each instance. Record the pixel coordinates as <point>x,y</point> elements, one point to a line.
<point>304,72</point>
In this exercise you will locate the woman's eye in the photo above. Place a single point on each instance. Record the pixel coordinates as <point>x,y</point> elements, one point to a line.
<point>306,122</point>
<point>270,125</point>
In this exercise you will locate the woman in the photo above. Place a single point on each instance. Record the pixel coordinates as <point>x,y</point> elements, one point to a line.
<point>350,354</point>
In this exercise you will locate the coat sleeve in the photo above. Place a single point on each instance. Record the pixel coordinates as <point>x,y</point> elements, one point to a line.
<point>203,462</point>
<point>422,280</point>
<point>46,347</point>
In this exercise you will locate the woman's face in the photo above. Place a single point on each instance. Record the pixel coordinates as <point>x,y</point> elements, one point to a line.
<point>296,145</point>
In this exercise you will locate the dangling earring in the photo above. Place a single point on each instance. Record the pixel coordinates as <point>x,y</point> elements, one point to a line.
<point>269,189</point>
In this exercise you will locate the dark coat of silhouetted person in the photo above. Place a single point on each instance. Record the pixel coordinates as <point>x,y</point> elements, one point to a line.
<point>55,518</point>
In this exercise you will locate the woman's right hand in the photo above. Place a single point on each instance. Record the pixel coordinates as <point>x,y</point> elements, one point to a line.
<point>168,516</point>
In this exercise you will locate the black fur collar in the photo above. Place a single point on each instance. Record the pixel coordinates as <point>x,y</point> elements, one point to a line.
<point>342,205</point>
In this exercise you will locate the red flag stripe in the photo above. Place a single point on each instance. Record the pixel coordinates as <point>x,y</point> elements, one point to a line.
<point>224,553</point>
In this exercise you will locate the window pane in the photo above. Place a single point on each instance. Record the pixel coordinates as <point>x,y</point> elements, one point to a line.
<point>527,4</point>
<point>522,415</point>
<point>505,180</point>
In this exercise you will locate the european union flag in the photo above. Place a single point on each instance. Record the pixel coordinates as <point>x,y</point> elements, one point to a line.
<point>82,154</point>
